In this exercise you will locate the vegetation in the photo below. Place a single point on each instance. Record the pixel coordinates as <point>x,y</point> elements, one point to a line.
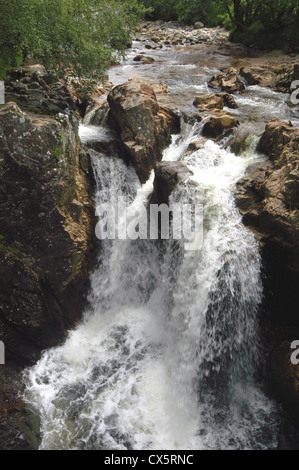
<point>267,24</point>
<point>67,36</point>
<point>81,37</point>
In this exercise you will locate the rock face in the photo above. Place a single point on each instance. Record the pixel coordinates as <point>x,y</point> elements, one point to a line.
<point>145,127</point>
<point>219,125</point>
<point>46,229</point>
<point>47,226</point>
<point>167,176</point>
<point>33,90</point>
<point>268,199</point>
<point>19,425</point>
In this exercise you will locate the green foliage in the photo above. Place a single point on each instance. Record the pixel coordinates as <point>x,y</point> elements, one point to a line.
<point>266,24</point>
<point>78,37</point>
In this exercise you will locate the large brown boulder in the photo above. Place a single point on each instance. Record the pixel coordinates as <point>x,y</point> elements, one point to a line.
<point>144,126</point>
<point>219,125</point>
<point>211,101</point>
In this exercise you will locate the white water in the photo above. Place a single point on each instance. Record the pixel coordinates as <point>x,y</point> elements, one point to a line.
<point>165,355</point>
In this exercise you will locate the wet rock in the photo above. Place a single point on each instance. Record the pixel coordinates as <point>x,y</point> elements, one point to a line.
<point>212,101</point>
<point>19,424</point>
<point>219,125</point>
<point>144,59</point>
<point>258,76</point>
<point>243,138</point>
<point>208,101</point>
<point>268,199</point>
<point>191,118</point>
<point>167,176</point>
<point>228,81</point>
<point>144,126</point>
<point>199,25</point>
<point>47,226</point>
<point>196,145</point>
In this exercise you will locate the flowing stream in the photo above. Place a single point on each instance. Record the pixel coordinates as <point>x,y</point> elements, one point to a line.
<point>167,352</point>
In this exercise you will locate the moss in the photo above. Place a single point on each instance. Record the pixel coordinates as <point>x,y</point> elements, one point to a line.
<point>57,153</point>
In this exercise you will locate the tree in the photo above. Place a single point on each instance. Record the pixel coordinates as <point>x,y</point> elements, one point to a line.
<point>67,36</point>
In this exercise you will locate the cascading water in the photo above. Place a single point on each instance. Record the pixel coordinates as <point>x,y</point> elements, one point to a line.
<point>166,353</point>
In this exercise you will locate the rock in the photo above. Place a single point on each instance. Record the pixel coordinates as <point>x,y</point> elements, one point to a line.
<point>160,88</point>
<point>191,118</point>
<point>33,90</point>
<point>199,25</point>
<point>231,83</point>
<point>228,82</point>
<point>19,424</point>
<point>285,76</point>
<point>242,139</point>
<point>144,59</point>
<point>228,100</point>
<point>47,228</point>
<point>196,145</point>
<point>214,101</point>
<point>167,176</point>
<point>219,125</point>
<point>208,101</point>
<point>268,199</point>
<point>144,126</point>
<point>47,225</point>
<point>258,76</point>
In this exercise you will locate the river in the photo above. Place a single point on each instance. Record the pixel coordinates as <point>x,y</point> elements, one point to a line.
<point>167,352</point>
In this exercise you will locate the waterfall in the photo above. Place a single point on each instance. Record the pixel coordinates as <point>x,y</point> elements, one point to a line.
<point>165,356</point>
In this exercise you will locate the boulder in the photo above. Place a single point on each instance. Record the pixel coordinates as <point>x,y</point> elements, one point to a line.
<point>208,101</point>
<point>144,126</point>
<point>196,145</point>
<point>167,176</point>
<point>219,125</point>
<point>144,59</point>
<point>258,76</point>
<point>228,81</point>
<point>211,101</point>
